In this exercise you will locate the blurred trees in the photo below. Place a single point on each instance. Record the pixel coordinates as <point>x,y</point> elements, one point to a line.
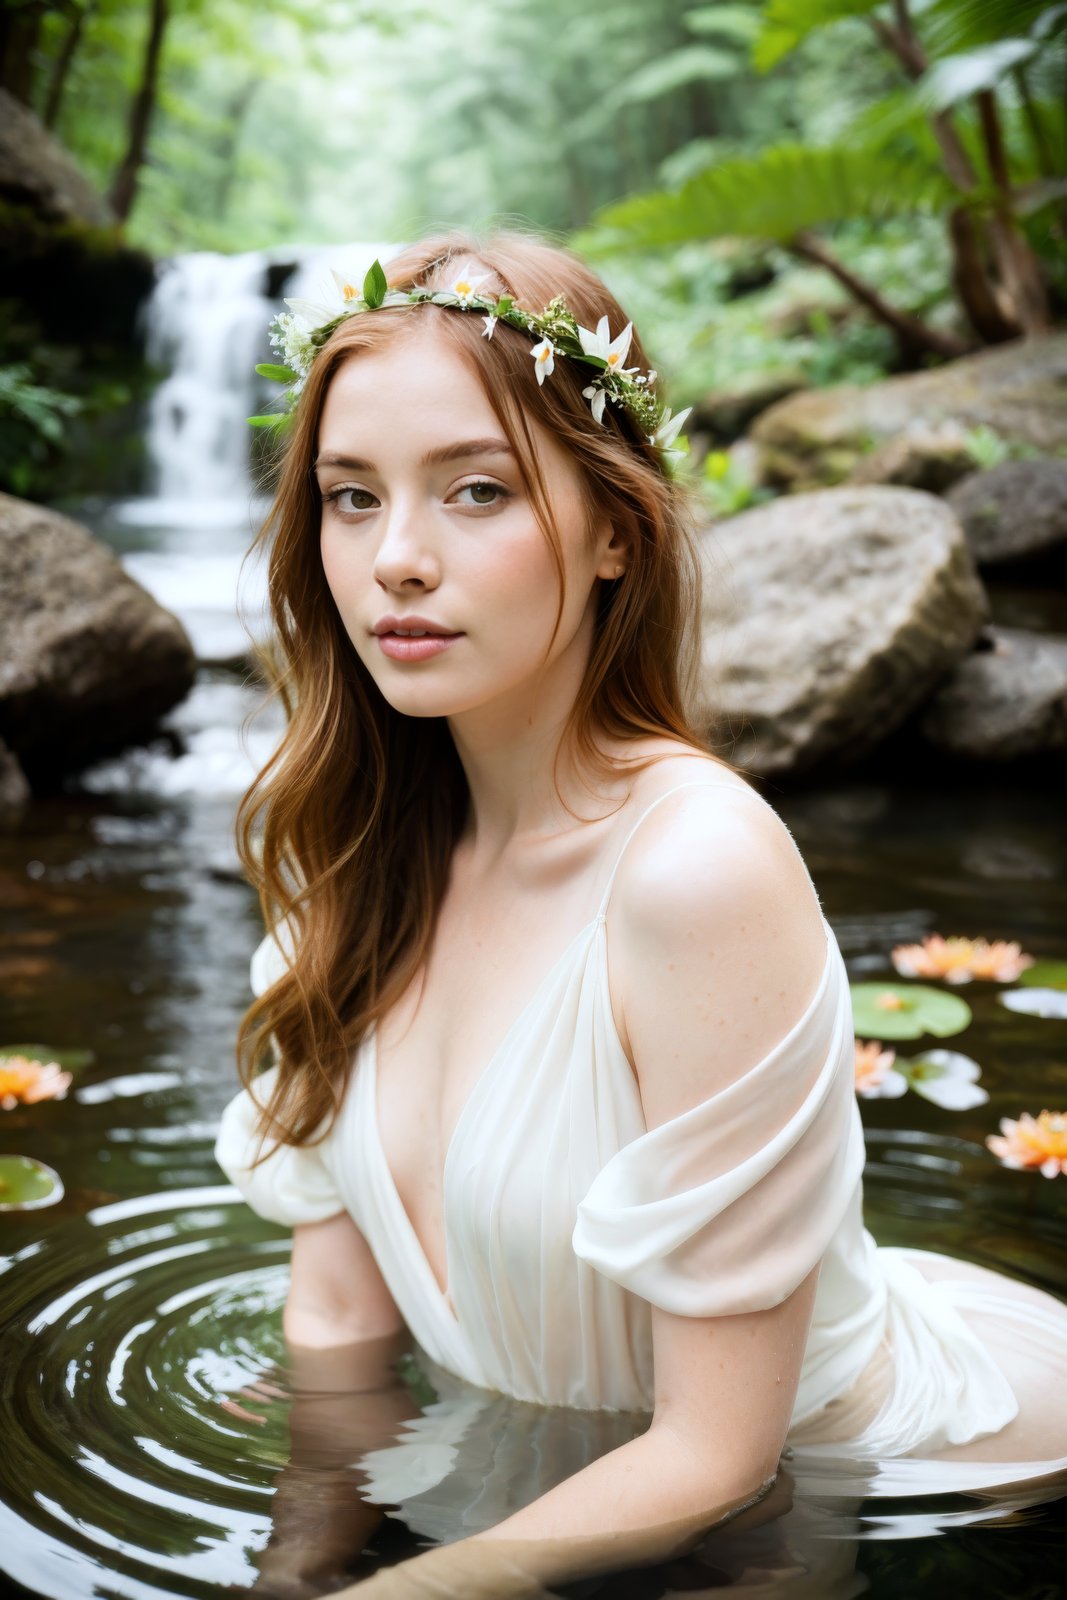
<point>974,129</point>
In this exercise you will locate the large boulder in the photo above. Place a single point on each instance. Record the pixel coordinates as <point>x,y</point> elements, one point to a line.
<point>1019,390</point>
<point>828,618</point>
<point>1003,702</point>
<point>37,172</point>
<point>89,660</point>
<point>1015,510</point>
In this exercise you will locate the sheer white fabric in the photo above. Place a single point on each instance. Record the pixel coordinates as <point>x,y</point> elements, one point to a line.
<point>567,1220</point>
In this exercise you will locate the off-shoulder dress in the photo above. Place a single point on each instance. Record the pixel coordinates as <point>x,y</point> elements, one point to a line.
<point>567,1219</point>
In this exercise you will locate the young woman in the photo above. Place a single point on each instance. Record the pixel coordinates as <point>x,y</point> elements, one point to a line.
<point>563,1051</point>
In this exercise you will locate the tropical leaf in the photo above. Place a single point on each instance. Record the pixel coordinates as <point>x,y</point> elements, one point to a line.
<point>279,374</point>
<point>787,22</point>
<point>950,27</point>
<point>777,194</point>
<point>958,77</point>
<point>694,64</point>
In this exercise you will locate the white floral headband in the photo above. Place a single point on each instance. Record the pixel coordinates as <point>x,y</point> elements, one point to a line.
<point>299,334</point>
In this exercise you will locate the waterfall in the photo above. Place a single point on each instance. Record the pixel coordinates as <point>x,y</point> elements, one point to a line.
<point>206,328</point>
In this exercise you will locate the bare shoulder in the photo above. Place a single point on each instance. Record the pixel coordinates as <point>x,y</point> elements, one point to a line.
<point>710,841</point>
<point>716,933</point>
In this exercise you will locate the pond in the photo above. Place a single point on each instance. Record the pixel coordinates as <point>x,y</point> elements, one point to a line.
<point>153,1447</point>
<point>139,1307</point>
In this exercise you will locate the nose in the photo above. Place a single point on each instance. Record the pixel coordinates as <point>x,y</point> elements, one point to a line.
<point>407,550</point>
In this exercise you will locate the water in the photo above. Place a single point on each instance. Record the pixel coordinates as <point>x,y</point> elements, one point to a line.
<point>141,1313</point>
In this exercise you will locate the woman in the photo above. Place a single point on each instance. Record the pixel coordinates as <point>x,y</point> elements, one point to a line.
<point>564,1057</point>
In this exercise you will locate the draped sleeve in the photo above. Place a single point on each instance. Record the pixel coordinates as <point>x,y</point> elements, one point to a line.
<point>728,1206</point>
<point>293,1184</point>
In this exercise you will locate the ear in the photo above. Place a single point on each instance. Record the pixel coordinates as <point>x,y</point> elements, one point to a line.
<point>612,548</point>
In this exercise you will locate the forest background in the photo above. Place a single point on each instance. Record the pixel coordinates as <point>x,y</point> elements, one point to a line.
<point>783,191</point>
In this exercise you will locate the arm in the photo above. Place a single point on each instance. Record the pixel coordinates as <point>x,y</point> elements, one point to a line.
<point>721,910</point>
<point>343,1335</point>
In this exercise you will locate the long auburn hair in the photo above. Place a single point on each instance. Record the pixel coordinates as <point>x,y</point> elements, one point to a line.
<point>348,829</point>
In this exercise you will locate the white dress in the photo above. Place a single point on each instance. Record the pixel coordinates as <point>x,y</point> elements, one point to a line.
<point>566,1220</point>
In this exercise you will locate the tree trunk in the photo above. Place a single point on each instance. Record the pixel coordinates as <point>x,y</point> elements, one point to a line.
<point>61,69</point>
<point>124,186</point>
<point>914,337</point>
<point>20,29</point>
<point>1019,270</point>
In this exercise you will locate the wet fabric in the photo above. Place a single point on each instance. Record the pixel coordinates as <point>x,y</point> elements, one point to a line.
<point>567,1219</point>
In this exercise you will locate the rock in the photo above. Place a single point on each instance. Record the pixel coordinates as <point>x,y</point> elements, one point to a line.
<point>37,172</point>
<point>828,618</point>
<point>726,413</point>
<point>1014,510</point>
<point>1019,390</point>
<point>90,660</point>
<point>1002,703</point>
<point>922,457</point>
<point>14,790</point>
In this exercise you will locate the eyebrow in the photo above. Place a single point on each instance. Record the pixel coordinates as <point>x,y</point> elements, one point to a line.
<point>449,452</point>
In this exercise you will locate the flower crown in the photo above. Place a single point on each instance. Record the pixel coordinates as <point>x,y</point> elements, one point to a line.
<point>299,334</point>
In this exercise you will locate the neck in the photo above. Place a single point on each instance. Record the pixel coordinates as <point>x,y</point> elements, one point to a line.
<point>508,751</point>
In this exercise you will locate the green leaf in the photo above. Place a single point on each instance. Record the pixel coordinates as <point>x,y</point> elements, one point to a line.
<point>270,369</point>
<point>728,22</point>
<point>375,286</point>
<point>273,421</point>
<point>778,193</point>
<point>787,22</point>
<point>1045,975</point>
<point>505,303</point>
<point>70,1060</point>
<point>958,77</point>
<point>695,63</point>
<point>26,1184</point>
<point>920,1009</point>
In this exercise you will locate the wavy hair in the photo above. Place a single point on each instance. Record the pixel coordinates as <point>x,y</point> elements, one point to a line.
<point>348,829</point>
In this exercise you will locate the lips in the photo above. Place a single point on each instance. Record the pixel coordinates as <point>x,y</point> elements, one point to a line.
<point>412,625</point>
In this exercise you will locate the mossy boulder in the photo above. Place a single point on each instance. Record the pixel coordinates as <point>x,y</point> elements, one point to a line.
<point>1018,390</point>
<point>1015,510</point>
<point>828,619</point>
<point>90,660</point>
<point>1003,702</point>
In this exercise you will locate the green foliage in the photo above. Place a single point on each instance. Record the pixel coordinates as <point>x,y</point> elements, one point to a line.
<point>726,487</point>
<point>31,425</point>
<point>774,195</point>
<point>787,22</point>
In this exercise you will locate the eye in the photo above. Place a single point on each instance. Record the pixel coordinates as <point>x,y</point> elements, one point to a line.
<point>482,487</point>
<point>339,497</point>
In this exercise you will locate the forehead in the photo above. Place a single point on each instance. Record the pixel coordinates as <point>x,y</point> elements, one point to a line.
<point>419,373</point>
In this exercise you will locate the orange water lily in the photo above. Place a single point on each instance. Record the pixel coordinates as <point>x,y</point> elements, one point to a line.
<point>876,1078</point>
<point>959,960</point>
<point>23,1081</point>
<point>1030,1142</point>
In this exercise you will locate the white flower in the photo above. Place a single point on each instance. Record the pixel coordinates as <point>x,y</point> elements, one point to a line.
<point>669,428</point>
<point>947,1078</point>
<point>490,323</point>
<point>611,351</point>
<point>544,356</point>
<point>465,285</point>
<point>314,312</point>
<point>345,289</point>
<point>291,336</point>
<point>597,397</point>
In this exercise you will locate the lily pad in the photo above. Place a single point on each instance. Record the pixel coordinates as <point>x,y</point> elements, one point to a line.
<point>69,1060</point>
<point>913,1009</point>
<point>26,1184</point>
<point>1045,975</point>
<point>1036,1002</point>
